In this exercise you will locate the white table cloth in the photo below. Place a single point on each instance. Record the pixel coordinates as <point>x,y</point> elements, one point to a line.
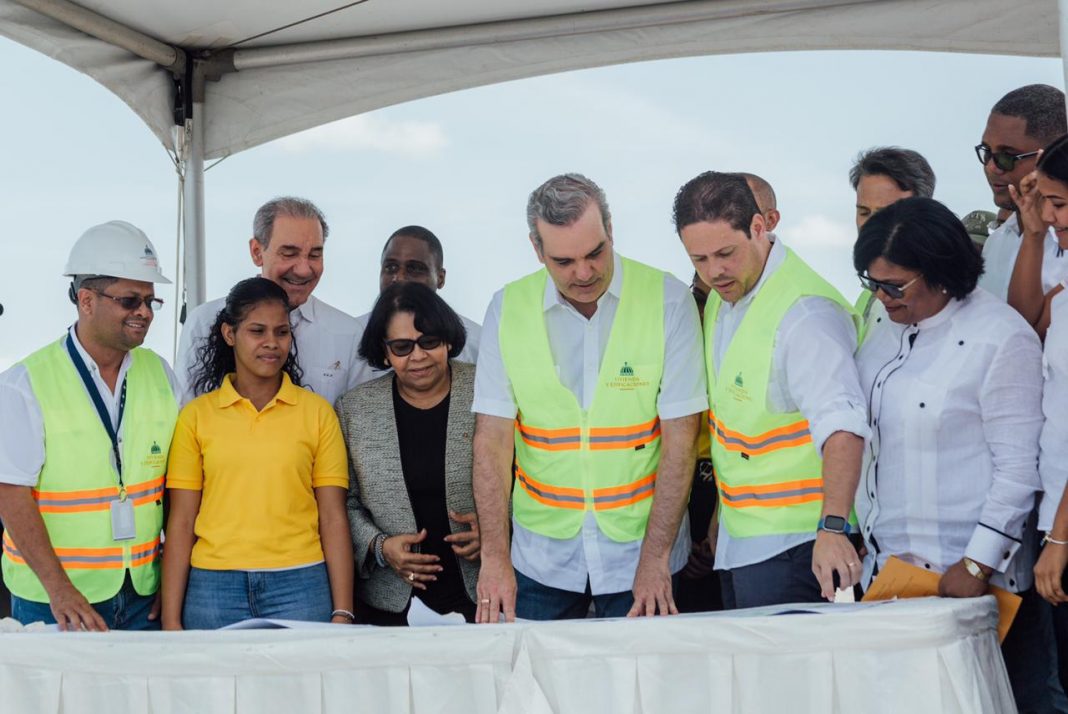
<point>913,656</point>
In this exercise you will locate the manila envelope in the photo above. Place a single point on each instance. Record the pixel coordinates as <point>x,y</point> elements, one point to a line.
<point>899,579</point>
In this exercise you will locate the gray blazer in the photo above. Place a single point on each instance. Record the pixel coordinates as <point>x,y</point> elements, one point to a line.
<point>378,498</point>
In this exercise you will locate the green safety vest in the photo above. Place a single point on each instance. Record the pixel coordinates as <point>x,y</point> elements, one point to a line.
<point>604,460</point>
<point>863,307</point>
<point>78,482</point>
<point>769,474</point>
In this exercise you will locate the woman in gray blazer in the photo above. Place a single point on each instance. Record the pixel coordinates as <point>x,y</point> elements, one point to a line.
<point>408,433</point>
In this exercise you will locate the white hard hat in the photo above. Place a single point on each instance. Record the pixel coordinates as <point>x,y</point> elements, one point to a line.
<point>116,249</point>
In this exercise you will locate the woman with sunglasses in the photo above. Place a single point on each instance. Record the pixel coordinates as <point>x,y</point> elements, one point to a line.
<point>954,380</point>
<point>414,529</point>
<point>1043,204</point>
<point>257,481</point>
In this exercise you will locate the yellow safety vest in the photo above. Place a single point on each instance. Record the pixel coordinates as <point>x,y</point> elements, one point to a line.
<point>78,482</point>
<point>769,474</point>
<point>604,460</point>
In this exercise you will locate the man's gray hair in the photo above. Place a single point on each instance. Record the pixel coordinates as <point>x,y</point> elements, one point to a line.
<point>562,200</point>
<point>905,167</point>
<point>263,222</point>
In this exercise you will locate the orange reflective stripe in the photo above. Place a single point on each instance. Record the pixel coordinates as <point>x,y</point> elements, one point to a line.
<point>625,495</point>
<point>93,558</point>
<point>550,439</point>
<point>787,493</point>
<point>624,437</point>
<point>555,496</point>
<point>98,499</point>
<point>783,437</point>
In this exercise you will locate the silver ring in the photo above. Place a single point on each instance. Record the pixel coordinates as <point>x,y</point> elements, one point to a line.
<point>853,565</point>
<point>411,577</point>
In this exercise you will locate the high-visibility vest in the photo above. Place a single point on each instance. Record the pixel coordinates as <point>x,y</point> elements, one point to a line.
<point>864,308</point>
<point>604,460</point>
<point>78,482</point>
<point>769,474</point>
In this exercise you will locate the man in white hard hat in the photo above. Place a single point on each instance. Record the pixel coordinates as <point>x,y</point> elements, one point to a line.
<point>87,426</point>
<point>288,237</point>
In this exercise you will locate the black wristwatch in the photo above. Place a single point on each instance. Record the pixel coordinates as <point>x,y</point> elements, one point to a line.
<point>834,524</point>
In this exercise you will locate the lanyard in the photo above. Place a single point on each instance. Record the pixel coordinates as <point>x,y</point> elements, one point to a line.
<point>101,410</point>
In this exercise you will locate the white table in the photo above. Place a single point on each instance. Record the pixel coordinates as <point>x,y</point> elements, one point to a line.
<point>913,656</point>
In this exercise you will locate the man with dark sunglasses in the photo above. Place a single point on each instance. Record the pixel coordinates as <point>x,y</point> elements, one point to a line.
<point>1019,125</point>
<point>87,427</point>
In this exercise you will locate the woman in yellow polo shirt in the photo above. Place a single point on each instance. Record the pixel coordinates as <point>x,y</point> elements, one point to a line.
<point>257,481</point>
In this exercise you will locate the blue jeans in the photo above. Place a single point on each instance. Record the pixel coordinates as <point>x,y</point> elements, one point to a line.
<point>536,601</point>
<point>217,598</point>
<point>126,611</point>
<point>784,578</point>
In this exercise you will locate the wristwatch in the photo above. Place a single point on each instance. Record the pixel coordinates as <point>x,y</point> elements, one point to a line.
<point>834,524</point>
<point>974,570</point>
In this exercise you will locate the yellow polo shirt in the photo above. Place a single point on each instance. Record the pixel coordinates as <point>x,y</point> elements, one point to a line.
<point>257,471</point>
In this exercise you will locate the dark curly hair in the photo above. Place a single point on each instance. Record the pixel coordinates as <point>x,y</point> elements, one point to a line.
<point>215,358</point>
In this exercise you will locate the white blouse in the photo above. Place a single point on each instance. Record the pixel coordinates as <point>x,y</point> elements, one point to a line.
<point>1053,444</point>
<point>955,406</point>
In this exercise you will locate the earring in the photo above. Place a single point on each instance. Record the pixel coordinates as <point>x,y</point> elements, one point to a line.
<point>944,291</point>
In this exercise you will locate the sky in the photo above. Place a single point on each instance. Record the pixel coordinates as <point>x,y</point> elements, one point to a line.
<point>463,164</point>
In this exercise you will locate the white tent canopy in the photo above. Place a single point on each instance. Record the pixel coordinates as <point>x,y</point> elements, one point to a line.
<point>244,72</point>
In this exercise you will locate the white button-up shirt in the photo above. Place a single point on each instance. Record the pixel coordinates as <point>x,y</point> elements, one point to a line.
<point>812,372</point>
<point>326,338</point>
<point>1053,444</point>
<point>999,259</point>
<point>22,440</point>
<point>577,345</point>
<point>469,354</point>
<point>956,410</point>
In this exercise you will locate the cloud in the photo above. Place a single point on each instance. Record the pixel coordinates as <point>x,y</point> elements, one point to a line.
<point>819,231</point>
<point>370,133</point>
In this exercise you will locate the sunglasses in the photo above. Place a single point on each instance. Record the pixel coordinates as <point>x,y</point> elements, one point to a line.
<point>1002,159</point>
<point>132,302</point>
<point>403,348</point>
<point>894,292</point>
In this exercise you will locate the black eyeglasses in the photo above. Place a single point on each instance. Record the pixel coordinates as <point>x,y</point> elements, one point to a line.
<point>1002,159</point>
<point>132,302</point>
<point>403,348</point>
<point>894,292</point>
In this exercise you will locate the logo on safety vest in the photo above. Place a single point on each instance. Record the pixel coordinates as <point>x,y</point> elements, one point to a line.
<point>628,379</point>
<point>156,459</point>
<point>738,390</point>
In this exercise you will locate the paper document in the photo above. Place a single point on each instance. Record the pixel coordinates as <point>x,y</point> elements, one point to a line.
<point>419,615</point>
<point>898,579</point>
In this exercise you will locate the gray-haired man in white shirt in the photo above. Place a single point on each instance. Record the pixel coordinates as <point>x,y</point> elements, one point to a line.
<point>288,238</point>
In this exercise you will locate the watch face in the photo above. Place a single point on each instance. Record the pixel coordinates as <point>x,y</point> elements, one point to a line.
<point>834,523</point>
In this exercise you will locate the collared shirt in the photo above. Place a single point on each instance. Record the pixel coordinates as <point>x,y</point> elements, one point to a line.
<point>326,339</point>
<point>956,410</point>
<point>365,372</point>
<point>1053,444</point>
<point>812,372</point>
<point>999,259</point>
<point>22,440</point>
<point>577,345</point>
<point>257,471</point>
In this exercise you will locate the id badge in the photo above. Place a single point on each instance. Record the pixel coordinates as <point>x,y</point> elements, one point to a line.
<point>123,526</point>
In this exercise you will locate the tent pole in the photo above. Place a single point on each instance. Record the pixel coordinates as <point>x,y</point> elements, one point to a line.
<point>1062,7</point>
<point>193,200</point>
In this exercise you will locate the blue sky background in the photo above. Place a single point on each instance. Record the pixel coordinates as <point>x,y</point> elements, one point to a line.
<point>463,164</point>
